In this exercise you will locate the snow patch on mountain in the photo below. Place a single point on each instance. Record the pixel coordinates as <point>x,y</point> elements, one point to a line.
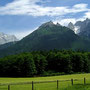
<point>5,38</point>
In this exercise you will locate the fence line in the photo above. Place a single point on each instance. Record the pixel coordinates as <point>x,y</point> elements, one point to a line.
<point>37,82</point>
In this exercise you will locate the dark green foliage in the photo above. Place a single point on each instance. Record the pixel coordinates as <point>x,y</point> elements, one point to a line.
<point>77,62</point>
<point>40,62</point>
<point>28,65</point>
<point>45,63</point>
<point>18,65</point>
<point>64,64</point>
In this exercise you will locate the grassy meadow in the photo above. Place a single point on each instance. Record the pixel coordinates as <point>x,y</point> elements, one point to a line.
<point>64,85</point>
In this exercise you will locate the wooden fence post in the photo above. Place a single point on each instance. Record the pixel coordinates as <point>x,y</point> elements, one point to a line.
<point>84,81</point>
<point>8,87</point>
<point>72,81</point>
<point>57,84</point>
<point>32,85</point>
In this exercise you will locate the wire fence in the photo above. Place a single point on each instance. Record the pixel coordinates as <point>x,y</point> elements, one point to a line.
<point>42,85</point>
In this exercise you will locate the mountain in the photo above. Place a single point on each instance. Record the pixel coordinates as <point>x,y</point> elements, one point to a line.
<point>5,38</point>
<point>84,28</point>
<point>48,36</point>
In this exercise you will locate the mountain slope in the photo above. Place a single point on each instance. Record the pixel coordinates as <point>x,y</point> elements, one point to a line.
<point>47,37</point>
<point>6,45</point>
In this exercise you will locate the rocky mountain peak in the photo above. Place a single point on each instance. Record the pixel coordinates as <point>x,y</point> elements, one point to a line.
<point>71,26</point>
<point>87,21</point>
<point>47,24</point>
<point>84,28</point>
<point>58,24</point>
<point>5,38</point>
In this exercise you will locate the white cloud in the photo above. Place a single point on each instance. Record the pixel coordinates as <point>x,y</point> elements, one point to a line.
<point>87,15</point>
<point>79,8</point>
<point>29,7</point>
<point>82,6</point>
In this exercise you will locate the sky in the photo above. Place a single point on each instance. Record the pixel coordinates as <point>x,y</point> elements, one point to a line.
<point>21,17</point>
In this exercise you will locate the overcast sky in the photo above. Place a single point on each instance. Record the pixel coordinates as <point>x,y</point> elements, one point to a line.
<point>21,17</point>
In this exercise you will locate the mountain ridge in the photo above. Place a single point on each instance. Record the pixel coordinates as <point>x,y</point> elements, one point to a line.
<point>48,36</point>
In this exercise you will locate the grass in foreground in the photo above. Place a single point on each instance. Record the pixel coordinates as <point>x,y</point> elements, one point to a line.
<point>78,85</point>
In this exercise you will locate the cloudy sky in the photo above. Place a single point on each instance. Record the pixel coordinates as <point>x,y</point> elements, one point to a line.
<point>21,17</point>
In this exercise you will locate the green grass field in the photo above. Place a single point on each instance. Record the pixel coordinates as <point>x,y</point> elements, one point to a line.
<point>64,85</point>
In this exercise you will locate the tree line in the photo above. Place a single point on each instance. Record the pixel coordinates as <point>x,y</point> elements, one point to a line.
<point>44,63</point>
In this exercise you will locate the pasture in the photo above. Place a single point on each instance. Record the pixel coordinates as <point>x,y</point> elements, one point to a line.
<point>64,83</point>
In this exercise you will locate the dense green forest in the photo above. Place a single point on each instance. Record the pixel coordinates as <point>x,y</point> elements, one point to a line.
<point>44,63</point>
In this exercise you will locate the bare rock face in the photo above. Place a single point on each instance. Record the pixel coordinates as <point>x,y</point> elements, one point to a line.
<point>58,24</point>
<point>71,26</point>
<point>75,28</point>
<point>47,24</point>
<point>5,38</point>
<point>84,28</point>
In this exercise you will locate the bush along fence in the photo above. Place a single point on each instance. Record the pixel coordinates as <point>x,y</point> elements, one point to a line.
<point>33,83</point>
